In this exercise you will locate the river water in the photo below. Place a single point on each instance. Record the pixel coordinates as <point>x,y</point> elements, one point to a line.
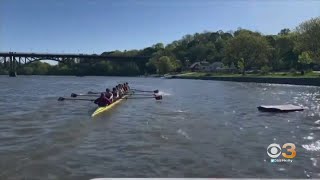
<point>199,129</point>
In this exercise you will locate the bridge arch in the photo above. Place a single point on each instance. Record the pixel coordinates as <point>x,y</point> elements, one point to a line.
<point>42,59</point>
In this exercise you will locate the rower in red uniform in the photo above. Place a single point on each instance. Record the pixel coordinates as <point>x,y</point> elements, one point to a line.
<point>102,100</point>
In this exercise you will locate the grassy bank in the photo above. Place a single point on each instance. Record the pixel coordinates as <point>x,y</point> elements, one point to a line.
<point>309,79</point>
<point>270,75</point>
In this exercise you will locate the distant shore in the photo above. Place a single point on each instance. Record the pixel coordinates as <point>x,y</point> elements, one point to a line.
<point>298,80</point>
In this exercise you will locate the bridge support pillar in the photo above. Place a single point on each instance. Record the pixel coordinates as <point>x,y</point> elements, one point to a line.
<point>12,71</point>
<point>13,74</point>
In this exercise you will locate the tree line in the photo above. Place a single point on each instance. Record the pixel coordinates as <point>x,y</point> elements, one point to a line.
<point>289,50</point>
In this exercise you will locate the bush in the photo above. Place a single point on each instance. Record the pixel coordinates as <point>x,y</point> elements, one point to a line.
<point>308,71</point>
<point>293,71</point>
<point>265,69</point>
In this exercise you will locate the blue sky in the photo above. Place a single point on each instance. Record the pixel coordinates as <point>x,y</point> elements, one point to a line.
<point>95,26</point>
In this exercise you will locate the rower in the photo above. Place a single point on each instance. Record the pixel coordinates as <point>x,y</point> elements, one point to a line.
<point>127,85</point>
<point>102,100</point>
<point>115,93</point>
<point>118,91</point>
<point>121,89</point>
<point>109,95</point>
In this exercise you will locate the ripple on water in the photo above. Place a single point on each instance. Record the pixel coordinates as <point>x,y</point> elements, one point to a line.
<point>281,169</point>
<point>315,146</point>
<point>314,161</point>
<point>183,133</point>
<point>164,137</point>
<point>308,137</point>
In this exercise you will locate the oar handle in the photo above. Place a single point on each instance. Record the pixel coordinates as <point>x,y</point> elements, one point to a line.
<point>155,91</point>
<point>93,93</point>
<point>75,95</point>
<point>62,99</point>
<point>155,97</point>
<point>90,92</point>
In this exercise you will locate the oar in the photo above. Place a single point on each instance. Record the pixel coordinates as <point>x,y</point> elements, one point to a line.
<point>155,97</point>
<point>91,95</point>
<point>90,92</point>
<point>62,99</point>
<point>75,95</point>
<point>155,91</point>
<point>135,94</point>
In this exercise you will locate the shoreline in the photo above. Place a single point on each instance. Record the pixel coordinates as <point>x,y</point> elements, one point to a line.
<point>272,80</point>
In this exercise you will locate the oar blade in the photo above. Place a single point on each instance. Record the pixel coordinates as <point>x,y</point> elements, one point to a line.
<point>158,97</point>
<point>61,99</point>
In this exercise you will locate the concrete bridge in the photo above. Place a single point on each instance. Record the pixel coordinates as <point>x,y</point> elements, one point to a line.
<point>13,59</point>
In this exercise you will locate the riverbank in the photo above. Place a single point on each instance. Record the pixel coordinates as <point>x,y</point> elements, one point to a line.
<point>311,79</point>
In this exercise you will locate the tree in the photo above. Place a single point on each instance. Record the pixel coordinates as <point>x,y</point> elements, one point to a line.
<point>27,70</point>
<point>285,56</point>
<point>305,60</point>
<point>284,31</point>
<point>241,66</point>
<point>251,47</point>
<point>158,46</point>
<point>164,65</point>
<point>309,38</point>
<point>151,67</point>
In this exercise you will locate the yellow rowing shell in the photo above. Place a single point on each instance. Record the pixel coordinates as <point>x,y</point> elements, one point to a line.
<point>106,108</point>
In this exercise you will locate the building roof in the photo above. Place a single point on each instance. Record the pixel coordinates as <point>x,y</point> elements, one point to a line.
<point>194,64</point>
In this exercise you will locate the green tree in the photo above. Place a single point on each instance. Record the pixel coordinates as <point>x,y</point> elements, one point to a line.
<point>151,67</point>
<point>158,46</point>
<point>285,56</point>
<point>309,38</point>
<point>27,70</point>
<point>305,60</point>
<point>284,31</point>
<point>241,66</point>
<point>251,47</point>
<point>164,65</point>
<point>265,69</point>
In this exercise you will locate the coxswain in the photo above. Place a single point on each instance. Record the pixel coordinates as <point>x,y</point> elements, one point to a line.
<point>102,100</point>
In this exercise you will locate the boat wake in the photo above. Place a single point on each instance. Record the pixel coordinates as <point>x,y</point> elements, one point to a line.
<point>179,111</point>
<point>164,93</point>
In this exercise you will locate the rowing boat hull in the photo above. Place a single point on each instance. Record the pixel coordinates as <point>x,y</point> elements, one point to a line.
<point>104,109</point>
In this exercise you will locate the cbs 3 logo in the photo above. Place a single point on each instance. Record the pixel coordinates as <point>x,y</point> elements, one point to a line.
<point>274,150</point>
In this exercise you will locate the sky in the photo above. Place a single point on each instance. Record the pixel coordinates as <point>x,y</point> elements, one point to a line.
<point>96,26</point>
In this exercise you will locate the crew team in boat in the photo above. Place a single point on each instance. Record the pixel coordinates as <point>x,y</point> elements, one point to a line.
<point>109,97</point>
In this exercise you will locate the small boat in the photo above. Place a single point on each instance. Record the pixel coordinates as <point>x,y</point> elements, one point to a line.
<point>100,110</point>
